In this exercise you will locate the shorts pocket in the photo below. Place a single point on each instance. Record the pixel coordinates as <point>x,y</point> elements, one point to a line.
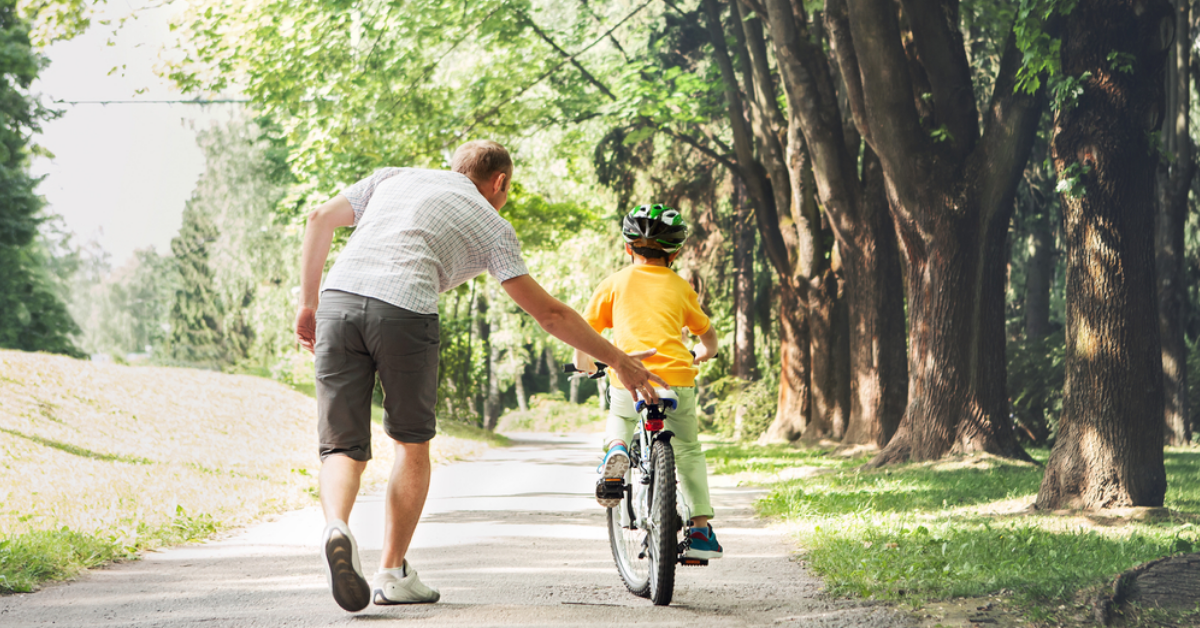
<point>330,350</point>
<point>409,344</point>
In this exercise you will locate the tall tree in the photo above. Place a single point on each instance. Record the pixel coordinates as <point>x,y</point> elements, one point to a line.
<point>197,334</point>
<point>33,315</point>
<point>1109,448</point>
<point>1175,172</point>
<point>950,174</point>
<point>821,157</point>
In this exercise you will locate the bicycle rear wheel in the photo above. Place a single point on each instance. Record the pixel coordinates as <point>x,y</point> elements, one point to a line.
<point>663,533</point>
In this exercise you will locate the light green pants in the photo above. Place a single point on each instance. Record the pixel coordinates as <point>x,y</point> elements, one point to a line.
<point>689,459</point>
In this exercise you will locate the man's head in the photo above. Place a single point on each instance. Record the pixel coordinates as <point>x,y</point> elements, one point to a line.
<point>489,166</point>
<point>654,232</point>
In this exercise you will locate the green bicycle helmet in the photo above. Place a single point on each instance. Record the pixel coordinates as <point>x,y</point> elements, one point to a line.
<point>657,222</point>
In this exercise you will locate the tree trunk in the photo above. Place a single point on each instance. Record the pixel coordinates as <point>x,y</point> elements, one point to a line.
<point>491,405</point>
<point>1174,179</point>
<point>1039,275</point>
<point>874,290</point>
<point>519,383</point>
<point>573,391</point>
<point>1109,448</point>
<point>841,362</point>
<point>825,411</point>
<point>957,397</point>
<point>745,366</point>
<point>792,415</point>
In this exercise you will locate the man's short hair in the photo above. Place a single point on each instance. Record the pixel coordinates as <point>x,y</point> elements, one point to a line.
<point>481,159</point>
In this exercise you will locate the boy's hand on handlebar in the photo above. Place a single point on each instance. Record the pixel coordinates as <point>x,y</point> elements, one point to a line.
<point>701,354</point>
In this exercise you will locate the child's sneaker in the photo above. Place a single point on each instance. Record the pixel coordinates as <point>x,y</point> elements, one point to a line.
<point>702,543</point>
<point>611,486</point>
<point>402,586</point>
<point>615,463</point>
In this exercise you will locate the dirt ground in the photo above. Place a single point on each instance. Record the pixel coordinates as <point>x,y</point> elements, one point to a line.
<point>511,538</point>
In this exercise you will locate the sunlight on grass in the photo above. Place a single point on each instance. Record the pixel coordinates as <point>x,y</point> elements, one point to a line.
<point>956,527</point>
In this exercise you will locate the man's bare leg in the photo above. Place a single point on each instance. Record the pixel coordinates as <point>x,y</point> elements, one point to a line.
<point>339,482</point>
<point>406,491</point>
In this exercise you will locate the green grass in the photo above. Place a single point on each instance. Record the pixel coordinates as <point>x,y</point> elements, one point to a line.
<point>27,560</point>
<point>956,528</point>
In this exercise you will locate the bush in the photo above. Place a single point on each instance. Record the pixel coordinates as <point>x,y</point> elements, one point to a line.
<point>551,412</point>
<point>760,398</point>
<point>1036,371</point>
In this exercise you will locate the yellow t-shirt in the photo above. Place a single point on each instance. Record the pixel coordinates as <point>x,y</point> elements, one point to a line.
<point>647,307</point>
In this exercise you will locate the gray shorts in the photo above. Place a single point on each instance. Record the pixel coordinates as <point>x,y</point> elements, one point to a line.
<point>358,337</point>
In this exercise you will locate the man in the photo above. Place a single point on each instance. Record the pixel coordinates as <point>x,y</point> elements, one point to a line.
<point>417,233</point>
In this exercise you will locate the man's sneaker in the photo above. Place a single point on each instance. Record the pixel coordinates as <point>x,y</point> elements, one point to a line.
<point>611,486</point>
<point>702,543</point>
<point>342,569</point>
<point>390,587</point>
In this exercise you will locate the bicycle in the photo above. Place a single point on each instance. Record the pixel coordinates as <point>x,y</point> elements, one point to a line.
<point>643,530</point>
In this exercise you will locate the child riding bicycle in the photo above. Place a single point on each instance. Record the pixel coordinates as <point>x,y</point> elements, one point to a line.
<point>647,305</point>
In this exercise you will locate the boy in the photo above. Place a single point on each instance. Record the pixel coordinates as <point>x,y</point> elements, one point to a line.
<point>647,305</point>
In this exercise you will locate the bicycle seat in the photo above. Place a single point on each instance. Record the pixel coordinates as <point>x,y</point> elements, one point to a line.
<point>667,398</point>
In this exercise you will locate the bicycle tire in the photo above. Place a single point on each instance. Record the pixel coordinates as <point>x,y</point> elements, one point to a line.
<point>628,542</point>
<point>664,534</point>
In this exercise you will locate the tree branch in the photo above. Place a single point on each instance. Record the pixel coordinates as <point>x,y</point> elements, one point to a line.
<point>813,107</point>
<point>894,130</point>
<point>544,75</point>
<point>939,44</point>
<point>569,57</point>
<point>1010,124</point>
<point>755,178</point>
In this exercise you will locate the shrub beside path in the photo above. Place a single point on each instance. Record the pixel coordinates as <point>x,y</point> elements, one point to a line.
<point>511,538</point>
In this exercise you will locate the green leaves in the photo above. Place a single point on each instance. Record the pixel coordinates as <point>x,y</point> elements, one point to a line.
<point>1070,180</point>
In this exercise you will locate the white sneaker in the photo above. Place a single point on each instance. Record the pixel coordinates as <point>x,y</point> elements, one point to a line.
<point>342,568</point>
<point>390,588</point>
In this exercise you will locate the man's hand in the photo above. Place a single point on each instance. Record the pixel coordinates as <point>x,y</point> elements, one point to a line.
<point>306,327</point>
<point>702,354</point>
<point>636,378</point>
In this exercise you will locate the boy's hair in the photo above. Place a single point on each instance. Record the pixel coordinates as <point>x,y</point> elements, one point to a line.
<point>482,159</point>
<point>648,248</point>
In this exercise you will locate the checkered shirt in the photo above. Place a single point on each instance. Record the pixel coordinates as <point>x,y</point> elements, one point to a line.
<point>419,233</point>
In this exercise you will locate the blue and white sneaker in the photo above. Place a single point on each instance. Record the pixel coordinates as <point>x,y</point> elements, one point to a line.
<point>615,463</point>
<point>611,485</point>
<point>702,543</point>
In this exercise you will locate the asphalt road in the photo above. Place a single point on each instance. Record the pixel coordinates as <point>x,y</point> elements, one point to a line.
<point>511,539</point>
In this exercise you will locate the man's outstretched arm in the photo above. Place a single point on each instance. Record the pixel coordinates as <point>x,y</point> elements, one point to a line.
<point>318,236</point>
<point>567,325</point>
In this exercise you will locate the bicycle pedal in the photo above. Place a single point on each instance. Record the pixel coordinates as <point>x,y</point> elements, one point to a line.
<point>693,562</point>
<point>610,488</point>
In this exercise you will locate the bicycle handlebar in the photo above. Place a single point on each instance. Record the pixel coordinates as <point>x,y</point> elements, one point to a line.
<point>599,374</point>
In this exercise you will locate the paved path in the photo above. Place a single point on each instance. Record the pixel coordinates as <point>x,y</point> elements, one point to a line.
<point>511,539</point>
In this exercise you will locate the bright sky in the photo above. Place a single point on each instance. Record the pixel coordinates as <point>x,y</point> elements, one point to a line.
<point>121,172</point>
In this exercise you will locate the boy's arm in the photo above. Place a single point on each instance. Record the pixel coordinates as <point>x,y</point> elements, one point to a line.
<point>707,349</point>
<point>567,325</point>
